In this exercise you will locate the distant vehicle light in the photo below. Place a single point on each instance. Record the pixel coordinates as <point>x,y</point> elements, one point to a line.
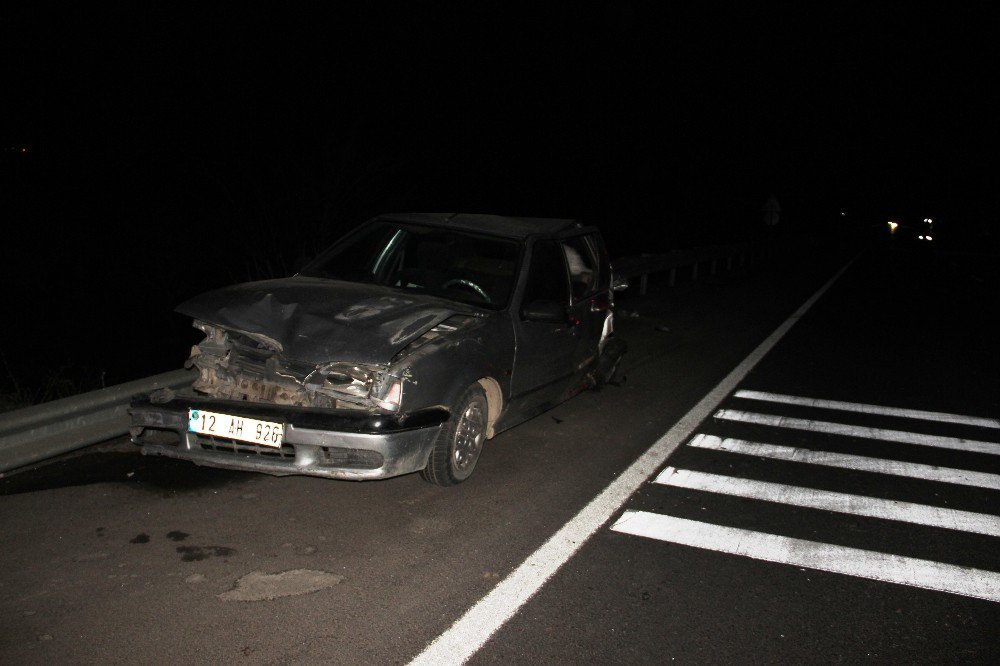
<point>930,238</point>
<point>920,237</point>
<point>893,226</point>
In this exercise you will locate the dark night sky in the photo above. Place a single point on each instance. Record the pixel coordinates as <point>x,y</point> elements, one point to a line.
<point>172,150</point>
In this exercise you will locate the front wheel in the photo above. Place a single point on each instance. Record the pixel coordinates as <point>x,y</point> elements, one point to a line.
<point>460,442</point>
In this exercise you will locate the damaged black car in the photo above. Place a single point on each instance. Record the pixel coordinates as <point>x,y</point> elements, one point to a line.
<point>402,348</point>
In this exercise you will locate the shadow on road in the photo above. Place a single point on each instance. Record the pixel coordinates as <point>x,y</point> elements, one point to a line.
<point>160,475</point>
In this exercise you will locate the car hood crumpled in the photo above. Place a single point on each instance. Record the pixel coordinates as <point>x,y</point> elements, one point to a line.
<point>318,321</point>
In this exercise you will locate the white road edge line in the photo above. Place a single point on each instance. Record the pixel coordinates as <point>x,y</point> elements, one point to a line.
<point>942,417</point>
<point>870,564</point>
<point>846,429</point>
<point>827,500</point>
<point>962,477</point>
<point>471,631</point>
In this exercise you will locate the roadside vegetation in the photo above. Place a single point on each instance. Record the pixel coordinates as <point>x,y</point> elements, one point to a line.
<point>52,384</point>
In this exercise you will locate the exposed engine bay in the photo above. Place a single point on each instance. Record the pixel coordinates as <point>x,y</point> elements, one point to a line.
<point>237,365</point>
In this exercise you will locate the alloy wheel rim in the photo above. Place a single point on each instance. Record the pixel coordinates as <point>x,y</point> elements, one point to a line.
<point>469,436</point>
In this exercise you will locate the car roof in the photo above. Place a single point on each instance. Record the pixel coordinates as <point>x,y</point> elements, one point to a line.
<point>496,225</point>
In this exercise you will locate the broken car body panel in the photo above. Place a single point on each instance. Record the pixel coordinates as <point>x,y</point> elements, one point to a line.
<point>314,320</point>
<point>361,360</point>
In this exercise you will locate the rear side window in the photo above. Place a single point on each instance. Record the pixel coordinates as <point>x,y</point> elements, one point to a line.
<point>547,280</point>
<point>584,269</point>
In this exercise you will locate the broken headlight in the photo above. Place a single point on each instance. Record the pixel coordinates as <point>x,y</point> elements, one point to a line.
<point>342,378</point>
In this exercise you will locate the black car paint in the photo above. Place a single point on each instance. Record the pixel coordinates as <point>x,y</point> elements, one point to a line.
<point>531,365</point>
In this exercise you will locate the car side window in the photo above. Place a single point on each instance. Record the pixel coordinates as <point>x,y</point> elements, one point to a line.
<point>547,280</point>
<point>584,269</point>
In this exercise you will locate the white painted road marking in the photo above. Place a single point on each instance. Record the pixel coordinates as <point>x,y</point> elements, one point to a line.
<point>813,498</point>
<point>464,638</point>
<point>829,428</point>
<point>869,409</point>
<point>846,461</point>
<point>978,583</point>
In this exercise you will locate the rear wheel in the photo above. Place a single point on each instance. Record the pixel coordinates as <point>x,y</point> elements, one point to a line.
<point>460,442</point>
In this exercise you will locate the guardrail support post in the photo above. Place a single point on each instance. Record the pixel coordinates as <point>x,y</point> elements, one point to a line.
<point>673,277</point>
<point>643,283</point>
<point>729,263</point>
<point>713,267</point>
<point>694,272</point>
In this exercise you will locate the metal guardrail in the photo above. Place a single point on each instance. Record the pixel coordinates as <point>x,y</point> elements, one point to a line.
<point>641,266</point>
<point>35,433</point>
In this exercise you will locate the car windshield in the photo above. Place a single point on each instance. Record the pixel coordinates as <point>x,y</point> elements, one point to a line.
<point>451,264</point>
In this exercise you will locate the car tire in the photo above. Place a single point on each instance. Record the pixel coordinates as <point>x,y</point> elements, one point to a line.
<point>460,442</point>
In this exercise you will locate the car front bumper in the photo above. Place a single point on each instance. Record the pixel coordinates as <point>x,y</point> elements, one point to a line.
<point>331,443</point>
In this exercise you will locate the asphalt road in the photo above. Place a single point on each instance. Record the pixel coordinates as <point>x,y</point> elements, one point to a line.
<point>110,557</point>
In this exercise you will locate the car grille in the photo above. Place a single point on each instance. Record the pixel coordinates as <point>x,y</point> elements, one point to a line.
<point>221,445</point>
<point>329,456</point>
<point>157,436</point>
<point>333,456</point>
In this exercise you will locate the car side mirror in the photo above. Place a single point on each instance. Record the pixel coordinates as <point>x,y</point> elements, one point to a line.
<point>618,283</point>
<point>548,311</point>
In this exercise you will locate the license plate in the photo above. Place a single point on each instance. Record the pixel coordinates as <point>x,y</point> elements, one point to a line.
<point>265,433</point>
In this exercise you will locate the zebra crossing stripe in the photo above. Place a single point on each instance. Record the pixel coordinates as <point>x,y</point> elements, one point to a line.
<point>846,461</point>
<point>813,498</point>
<point>860,408</point>
<point>873,565</point>
<point>830,428</point>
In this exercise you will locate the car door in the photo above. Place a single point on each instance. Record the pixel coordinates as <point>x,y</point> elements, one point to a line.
<point>590,305</point>
<point>546,345</point>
